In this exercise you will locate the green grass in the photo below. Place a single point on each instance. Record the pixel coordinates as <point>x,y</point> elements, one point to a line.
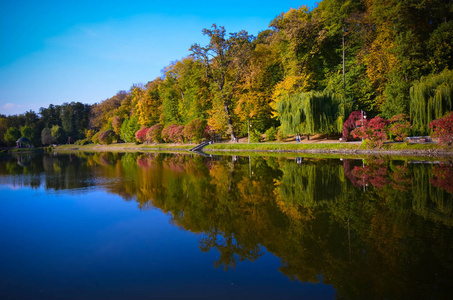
<point>338,149</point>
<point>281,146</point>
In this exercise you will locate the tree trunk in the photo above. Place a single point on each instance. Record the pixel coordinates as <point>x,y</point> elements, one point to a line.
<point>230,123</point>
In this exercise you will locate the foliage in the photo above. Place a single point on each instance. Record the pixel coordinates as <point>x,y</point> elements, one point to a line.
<point>281,137</point>
<point>355,119</point>
<point>95,138</point>
<point>46,137</point>
<point>431,98</point>
<point>107,137</point>
<point>140,135</point>
<point>154,134</point>
<point>11,136</point>
<point>128,129</point>
<point>194,131</point>
<point>312,112</point>
<point>116,124</point>
<point>372,131</point>
<point>271,134</point>
<point>443,129</point>
<point>224,60</point>
<point>59,134</point>
<point>399,127</point>
<point>384,57</point>
<point>255,136</point>
<point>173,133</point>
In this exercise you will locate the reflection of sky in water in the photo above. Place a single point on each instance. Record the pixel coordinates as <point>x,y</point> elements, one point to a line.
<point>92,245</point>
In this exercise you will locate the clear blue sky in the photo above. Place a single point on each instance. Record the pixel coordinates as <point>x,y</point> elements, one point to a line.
<point>56,51</point>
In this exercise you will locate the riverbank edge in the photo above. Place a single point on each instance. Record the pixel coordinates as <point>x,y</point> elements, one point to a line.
<point>424,150</point>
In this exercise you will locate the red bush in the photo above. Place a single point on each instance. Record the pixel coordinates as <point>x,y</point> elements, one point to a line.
<point>173,133</point>
<point>373,131</point>
<point>443,129</point>
<point>399,127</point>
<point>355,119</point>
<point>154,134</point>
<point>140,135</point>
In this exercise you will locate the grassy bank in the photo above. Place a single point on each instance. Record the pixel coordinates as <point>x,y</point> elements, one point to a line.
<point>321,147</point>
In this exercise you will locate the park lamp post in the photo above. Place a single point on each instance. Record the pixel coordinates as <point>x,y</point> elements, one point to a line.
<point>363,118</point>
<point>248,131</point>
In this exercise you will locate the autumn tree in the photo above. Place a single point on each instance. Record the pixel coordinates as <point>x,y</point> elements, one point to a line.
<point>224,60</point>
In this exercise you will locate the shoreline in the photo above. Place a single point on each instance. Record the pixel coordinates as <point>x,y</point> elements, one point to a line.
<point>319,147</point>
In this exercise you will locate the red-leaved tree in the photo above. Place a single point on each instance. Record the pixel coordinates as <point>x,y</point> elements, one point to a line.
<point>373,131</point>
<point>354,120</point>
<point>443,129</point>
<point>399,127</point>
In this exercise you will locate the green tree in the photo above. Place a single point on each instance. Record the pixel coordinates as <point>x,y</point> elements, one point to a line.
<point>11,136</point>
<point>58,134</point>
<point>431,97</point>
<point>46,137</point>
<point>313,112</point>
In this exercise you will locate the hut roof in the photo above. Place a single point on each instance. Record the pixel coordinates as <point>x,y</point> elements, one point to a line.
<point>23,140</point>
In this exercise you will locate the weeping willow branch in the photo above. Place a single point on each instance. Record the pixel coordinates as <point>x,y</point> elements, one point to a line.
<point>313,112</point>
<point>431,98</point>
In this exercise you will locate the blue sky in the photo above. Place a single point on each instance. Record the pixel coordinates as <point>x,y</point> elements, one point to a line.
<point>53,52</point>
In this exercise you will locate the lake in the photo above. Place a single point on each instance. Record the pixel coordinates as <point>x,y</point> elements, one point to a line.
<point>153,226</point>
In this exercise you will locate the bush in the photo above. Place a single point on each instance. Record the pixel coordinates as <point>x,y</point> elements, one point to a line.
<point>95,138</point>
<point>194,130</point>
<point>399,127</point>
<point>154,134</point>
<point>443,129</point>
<point>281,137</point>
<point>255,136</point>
<point>373,131</point>
<point>173,133</point>
<point>107,137</point>
<point>355,118</point>
<point>271,134</point>
<point>140,135</point>
<point>83,142</point>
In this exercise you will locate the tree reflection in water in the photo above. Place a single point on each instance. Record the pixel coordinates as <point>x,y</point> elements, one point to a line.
<point>373,229</point>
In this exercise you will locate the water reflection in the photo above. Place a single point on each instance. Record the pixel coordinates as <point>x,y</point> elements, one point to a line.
<point>372,228</point>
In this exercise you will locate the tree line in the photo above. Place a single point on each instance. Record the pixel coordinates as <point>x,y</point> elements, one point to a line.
<point>304,74</point>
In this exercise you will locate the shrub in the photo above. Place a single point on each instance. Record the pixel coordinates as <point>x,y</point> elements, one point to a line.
<point>399,127</point>
<point>154,134</point>
<point>355,118</point>
<point>255,136</point>
<point>173,133</point>
<point>195,130</point>
<point>373,131</point>
<point>271,134</point>
<point>107,137</point>
<point>95,138</point>
<point>443,129</point>
<point>140,135</point>
<point>281,137</point>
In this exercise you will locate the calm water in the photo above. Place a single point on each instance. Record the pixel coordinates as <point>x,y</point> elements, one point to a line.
<point>152,226</point>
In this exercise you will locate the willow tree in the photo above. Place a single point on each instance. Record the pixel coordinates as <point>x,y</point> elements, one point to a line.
<point>313,112</point>
<point>431,98</point>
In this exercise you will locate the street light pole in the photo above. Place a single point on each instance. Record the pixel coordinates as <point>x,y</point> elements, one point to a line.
<point>248,131</point>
